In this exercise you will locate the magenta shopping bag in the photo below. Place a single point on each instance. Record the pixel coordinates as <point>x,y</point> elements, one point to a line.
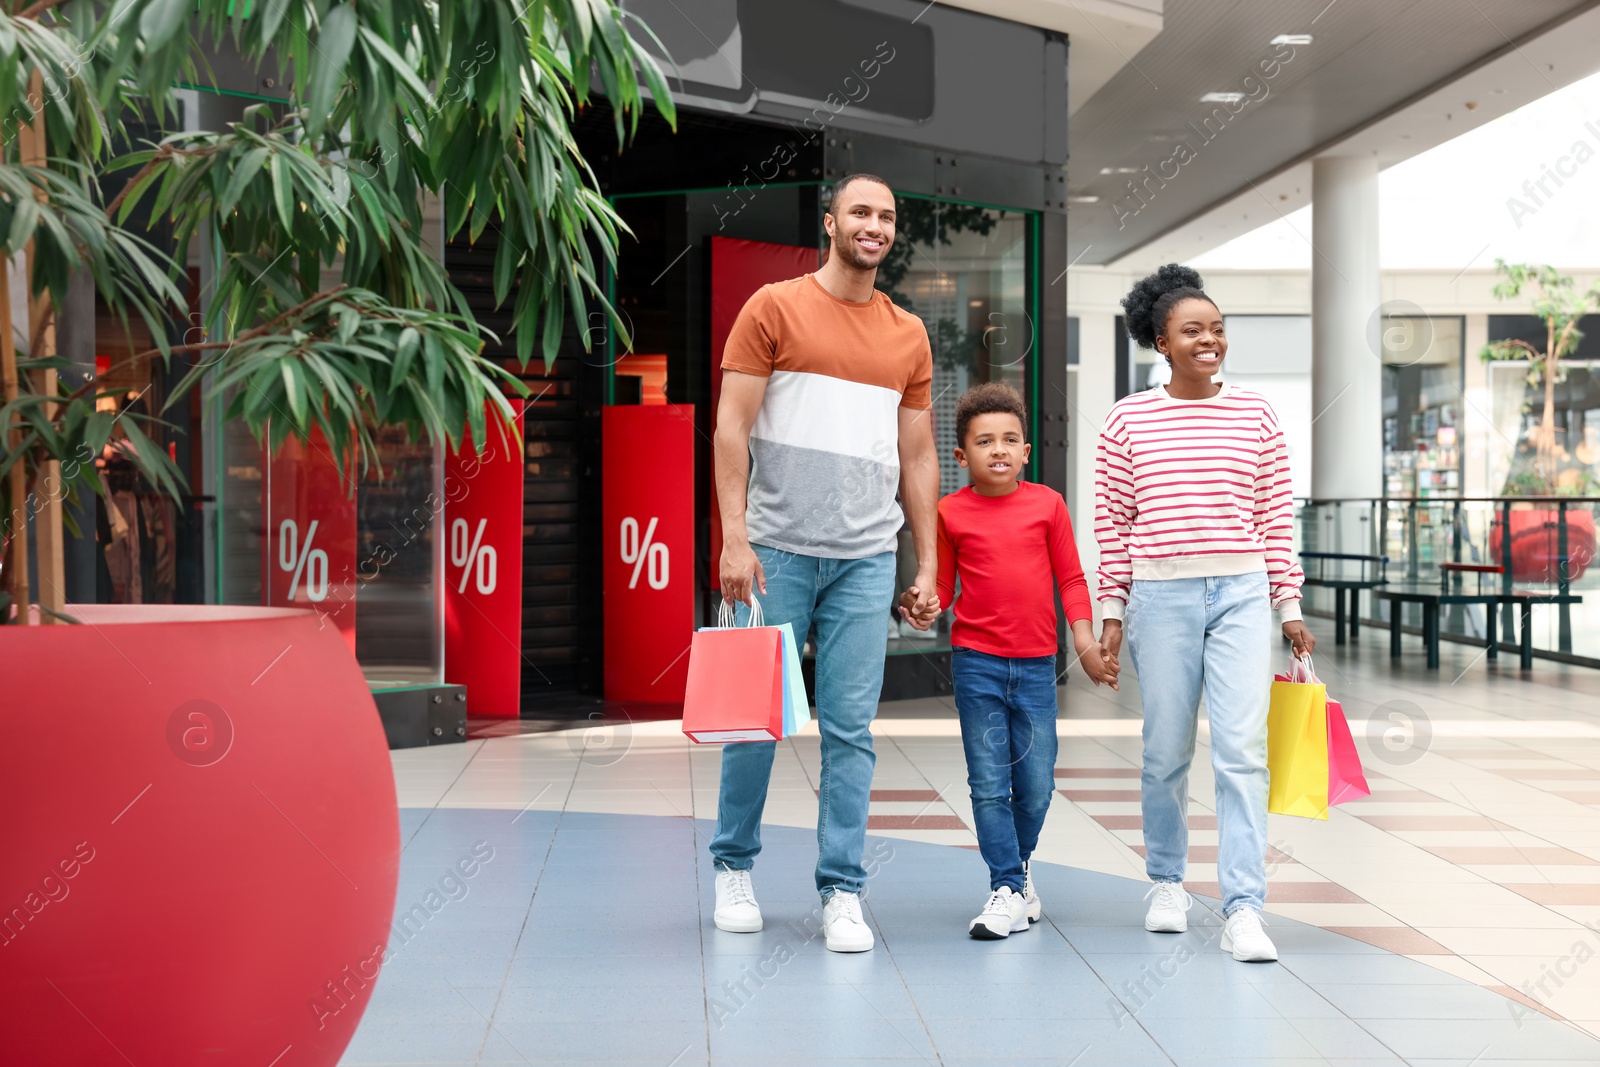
<point>1345,779</point>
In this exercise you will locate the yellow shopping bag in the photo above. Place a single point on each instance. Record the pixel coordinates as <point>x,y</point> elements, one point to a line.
<point>1297,748</point>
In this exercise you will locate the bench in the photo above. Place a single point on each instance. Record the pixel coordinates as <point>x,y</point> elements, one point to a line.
<point>1432,597</point>
<point>1315,566</point>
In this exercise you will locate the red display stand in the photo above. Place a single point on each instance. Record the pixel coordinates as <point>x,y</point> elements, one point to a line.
<point>203,863</point>
<point>1536,544</point>
<point>308,544</point>
<point>483,572</point>
<point>648,549</point>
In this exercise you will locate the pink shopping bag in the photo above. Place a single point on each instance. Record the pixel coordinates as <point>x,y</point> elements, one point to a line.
<point>1346,780</point>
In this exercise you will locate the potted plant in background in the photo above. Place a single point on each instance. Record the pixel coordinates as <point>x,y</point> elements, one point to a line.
<point>192,765</point>
<point>1549,468</point>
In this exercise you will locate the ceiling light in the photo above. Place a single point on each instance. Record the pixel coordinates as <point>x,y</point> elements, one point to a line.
<point>1222,98</point>
<point>1292,38</point>
<point>1119,170</point>
<point>974,303</point>
<point>1084,199</point>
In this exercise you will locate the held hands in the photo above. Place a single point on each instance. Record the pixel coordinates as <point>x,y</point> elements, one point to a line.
<point>1098,662</point>
<point>920,609</point>
<point>1304,643</point>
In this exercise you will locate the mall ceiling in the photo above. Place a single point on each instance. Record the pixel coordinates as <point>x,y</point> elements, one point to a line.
<point>1390,78</point>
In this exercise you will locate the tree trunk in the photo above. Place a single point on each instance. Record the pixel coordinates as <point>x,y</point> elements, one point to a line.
<point>17,520</point>
<point>1547,421</point>
<point>48,530</point>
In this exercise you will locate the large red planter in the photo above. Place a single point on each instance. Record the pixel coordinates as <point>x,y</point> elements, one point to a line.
<point>201,844</point>
<point>1535,544</point>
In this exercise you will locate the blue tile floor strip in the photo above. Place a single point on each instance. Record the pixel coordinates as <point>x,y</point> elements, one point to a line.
<point>572,938</point>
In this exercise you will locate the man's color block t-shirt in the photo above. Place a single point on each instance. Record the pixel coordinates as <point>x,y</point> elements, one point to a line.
<point>825,447</point>
<point>1010,553</point>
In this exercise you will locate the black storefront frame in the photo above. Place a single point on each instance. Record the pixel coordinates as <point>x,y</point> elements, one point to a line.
<point>950,178</point>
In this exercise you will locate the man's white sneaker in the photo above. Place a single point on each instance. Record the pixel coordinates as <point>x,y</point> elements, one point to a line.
<point>737,911</point>
<point>1242,935</point>
<point>843,925</point>
<point>1003,915</point>
<point>1169,911</point>
<point>1030,896</point>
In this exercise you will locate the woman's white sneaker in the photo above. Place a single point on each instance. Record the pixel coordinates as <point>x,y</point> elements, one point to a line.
<point>1169,911</point>
<point>1242,935</point>
<point>842,924</point>
<point>737,911</point>
<point>1004,914</point>
<point>1030,896</point>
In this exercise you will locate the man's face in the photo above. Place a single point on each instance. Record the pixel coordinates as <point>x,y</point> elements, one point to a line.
<point>863,229</point>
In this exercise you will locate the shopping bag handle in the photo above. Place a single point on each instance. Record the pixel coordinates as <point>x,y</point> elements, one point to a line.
<point>1303,672</point>
<point>726,619</point>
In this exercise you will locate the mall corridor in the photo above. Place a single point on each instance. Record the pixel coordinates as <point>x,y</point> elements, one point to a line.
<point>1453,917</point>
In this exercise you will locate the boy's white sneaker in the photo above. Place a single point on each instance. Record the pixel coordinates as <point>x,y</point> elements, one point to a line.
<point>842,924</point>
<point>1030,896</point>
<point>1242,935</point>
<point>737,911</point>
<point>1169,911</point>
<point>1003,915</point>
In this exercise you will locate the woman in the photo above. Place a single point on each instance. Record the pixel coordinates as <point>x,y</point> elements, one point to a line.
<point>1195,523</point>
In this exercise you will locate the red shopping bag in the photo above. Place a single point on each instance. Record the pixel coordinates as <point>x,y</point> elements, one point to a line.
<point>1345,778</point>
<point>735,687</point>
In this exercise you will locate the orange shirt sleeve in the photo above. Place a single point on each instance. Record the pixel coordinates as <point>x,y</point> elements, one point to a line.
<point>752,345</point>
<point>918,392</point>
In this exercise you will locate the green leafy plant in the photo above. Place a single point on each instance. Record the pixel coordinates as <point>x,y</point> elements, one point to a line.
<point>1556,301</point>
<point>329,312</point>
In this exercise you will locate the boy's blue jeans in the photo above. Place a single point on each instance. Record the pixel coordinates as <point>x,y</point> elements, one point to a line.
<point>1189,635</point>
<point>1008,729</point>
<point>848,601</point>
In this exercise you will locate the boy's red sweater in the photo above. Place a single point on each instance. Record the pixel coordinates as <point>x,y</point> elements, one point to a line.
<point>1004,548</point>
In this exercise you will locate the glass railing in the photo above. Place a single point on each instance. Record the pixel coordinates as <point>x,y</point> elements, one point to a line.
<point>1550,549</point>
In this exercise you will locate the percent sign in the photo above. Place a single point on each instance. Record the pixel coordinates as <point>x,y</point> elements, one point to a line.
<point>299,558</point>
<point>636,551</point>
<point>465,556</point>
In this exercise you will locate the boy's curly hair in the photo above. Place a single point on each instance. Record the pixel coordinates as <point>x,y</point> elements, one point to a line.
<point>989,398</point>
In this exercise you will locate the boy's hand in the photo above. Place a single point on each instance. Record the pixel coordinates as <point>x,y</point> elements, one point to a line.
<point>908,609</point>
<point>1098,662</point>
<point>1099,665</point>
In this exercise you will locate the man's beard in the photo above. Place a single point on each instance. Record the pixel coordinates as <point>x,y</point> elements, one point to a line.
<point>853,255</point>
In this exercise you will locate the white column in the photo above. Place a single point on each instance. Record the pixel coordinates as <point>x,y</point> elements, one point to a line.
<point>1096,392</point>
<point>1346,372</point>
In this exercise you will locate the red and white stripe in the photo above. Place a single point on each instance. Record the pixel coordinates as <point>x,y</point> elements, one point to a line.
<point>1194,488</point>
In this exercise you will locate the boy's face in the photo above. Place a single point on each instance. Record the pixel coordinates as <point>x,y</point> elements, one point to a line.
<point>994,450</point>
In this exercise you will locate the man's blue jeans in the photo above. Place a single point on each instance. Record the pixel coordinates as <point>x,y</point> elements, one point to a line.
<point>1008,728</point>
<point>1189,635</point>
<point>847,600</point>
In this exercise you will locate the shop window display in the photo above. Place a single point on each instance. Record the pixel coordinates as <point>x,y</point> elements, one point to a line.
<point>962,269</point>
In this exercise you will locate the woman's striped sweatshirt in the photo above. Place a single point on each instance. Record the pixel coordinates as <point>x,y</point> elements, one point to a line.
<point>1194,489</point>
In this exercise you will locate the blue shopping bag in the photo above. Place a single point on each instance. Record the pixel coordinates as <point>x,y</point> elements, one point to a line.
<point>796,712</point>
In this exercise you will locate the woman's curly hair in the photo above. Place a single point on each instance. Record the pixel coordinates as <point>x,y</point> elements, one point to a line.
<point>1152,299</point>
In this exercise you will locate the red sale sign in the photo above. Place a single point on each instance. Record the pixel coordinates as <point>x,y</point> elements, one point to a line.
<point>308,542</point>
<point>648,548</point>
<point>483,572</point>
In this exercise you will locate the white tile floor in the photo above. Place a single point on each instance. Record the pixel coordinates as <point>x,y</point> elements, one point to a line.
<point>1504,893</point>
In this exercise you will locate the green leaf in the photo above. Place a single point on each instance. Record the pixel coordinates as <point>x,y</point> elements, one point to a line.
<point>282,195</point>
<point>333,51</point>
<point>160,20</point>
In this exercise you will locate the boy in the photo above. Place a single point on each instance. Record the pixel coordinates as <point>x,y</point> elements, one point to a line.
<point>1001,537</point>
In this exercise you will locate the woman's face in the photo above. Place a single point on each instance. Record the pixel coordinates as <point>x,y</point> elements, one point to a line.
<point>1193,340</point>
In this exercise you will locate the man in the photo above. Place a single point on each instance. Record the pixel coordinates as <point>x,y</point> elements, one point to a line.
<point>824,413</point>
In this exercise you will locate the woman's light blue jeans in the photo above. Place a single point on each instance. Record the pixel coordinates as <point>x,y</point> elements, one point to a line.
<point>1008,729</point>
<point>1190,636</point>
<point>847,600</point>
